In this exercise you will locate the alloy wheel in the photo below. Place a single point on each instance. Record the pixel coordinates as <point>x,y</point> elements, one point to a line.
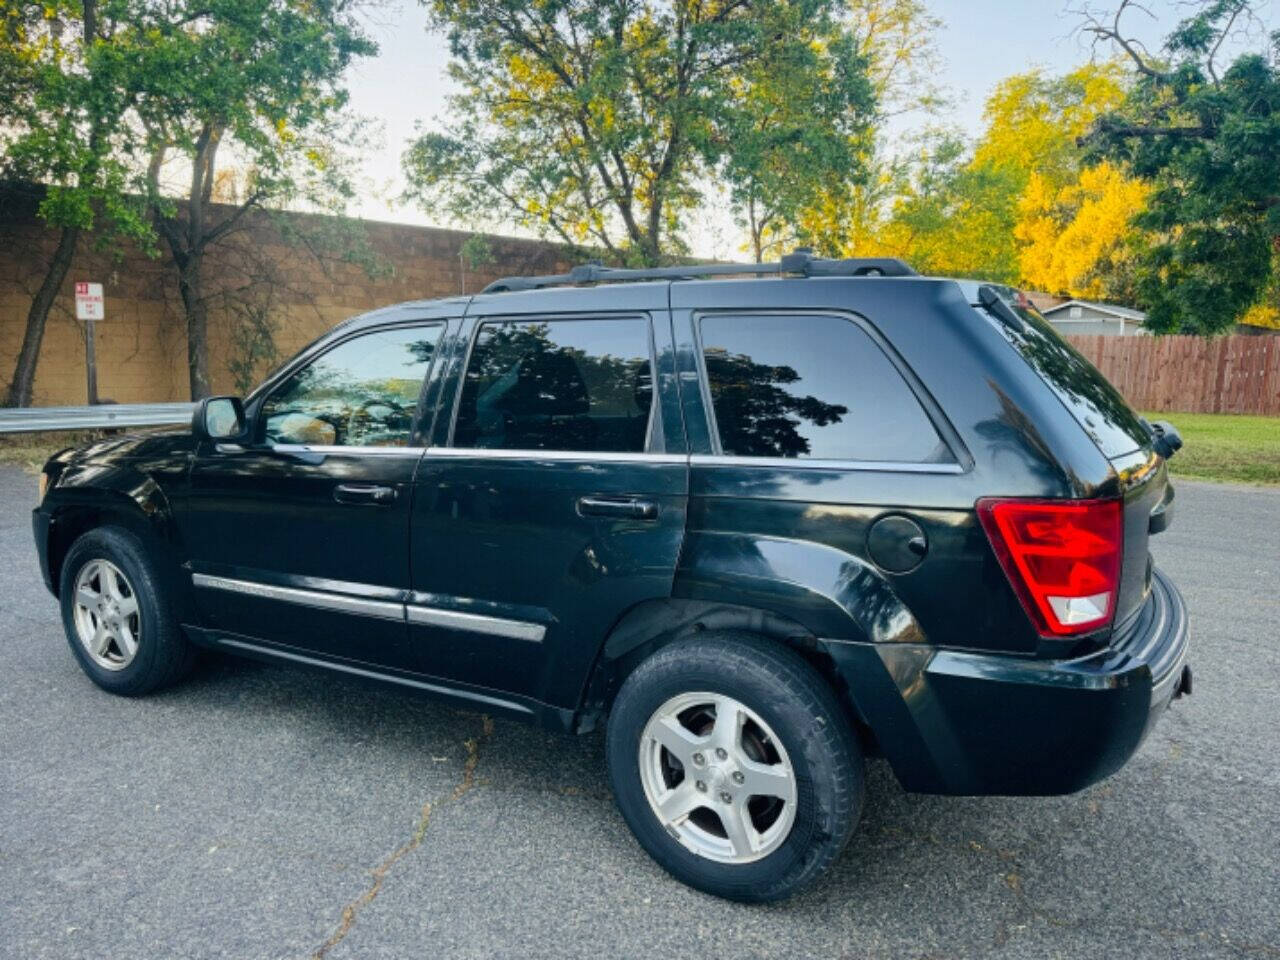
<point>717,777</point>
<point>106,616</point>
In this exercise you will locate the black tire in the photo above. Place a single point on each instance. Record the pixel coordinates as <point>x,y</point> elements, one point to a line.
<point>794,700</point>
<point>164,654</point>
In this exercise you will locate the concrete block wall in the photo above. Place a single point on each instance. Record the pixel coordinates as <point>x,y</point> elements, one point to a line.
<point>141,346</point>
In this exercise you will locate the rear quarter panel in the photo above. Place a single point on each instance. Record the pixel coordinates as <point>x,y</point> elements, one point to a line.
<point>796,533</point>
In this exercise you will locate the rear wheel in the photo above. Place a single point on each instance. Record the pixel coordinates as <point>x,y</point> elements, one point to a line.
<point>117,617</point>
<point>734,766</point>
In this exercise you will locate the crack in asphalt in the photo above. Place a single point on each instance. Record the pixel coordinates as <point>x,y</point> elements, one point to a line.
<point>379,873</point>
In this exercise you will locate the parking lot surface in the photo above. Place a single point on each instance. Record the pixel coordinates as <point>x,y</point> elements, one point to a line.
<point>264,812</point>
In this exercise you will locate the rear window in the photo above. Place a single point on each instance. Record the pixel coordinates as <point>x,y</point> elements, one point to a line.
<point>811,387</point>
<point>1095,404</point>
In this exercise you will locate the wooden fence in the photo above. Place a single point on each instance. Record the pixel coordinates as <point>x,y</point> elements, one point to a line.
<point>1236,374</point>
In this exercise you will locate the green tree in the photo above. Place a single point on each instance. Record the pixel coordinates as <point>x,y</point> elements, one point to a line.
<point>1208,140</point>
<point>806,113</point>
<point>897,39</point>
<point>953,214</point>
<point>599,121</point>
<point>262,80</point>
<point>65,92</point>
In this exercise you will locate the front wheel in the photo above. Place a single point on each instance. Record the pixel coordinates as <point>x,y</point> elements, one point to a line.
<point>117,615</point>
<point>734,766</point>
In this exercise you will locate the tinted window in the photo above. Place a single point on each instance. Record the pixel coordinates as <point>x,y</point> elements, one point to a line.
<point>1093,401</point>
<point>362,393</point>
<point>815,387</point>
<point>557,385</point>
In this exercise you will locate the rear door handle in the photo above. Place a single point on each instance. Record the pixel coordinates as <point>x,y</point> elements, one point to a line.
<point>627,508</point>
<point>363,493</point>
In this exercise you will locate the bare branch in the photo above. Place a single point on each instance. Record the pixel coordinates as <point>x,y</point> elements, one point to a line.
<point>1111,32</point>
<point>1118,128</point>
<point>225,227</point>
<point>1209,64</point>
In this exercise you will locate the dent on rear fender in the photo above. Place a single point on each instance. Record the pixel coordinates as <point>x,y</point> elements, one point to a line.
<point>831,593</point>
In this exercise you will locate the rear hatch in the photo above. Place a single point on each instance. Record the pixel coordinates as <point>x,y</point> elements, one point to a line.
<point>1120,434</point>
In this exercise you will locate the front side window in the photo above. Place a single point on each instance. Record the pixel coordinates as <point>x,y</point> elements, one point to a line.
<point>572,385</point>
<point>815,387</point>
<point>362,393</point>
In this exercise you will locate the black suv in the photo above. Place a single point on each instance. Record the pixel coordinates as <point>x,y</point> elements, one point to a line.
<point>759,527</point>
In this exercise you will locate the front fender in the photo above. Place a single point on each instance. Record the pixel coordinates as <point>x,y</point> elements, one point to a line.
<point>86,495</point>
<point>106,485</point>
<point>831,593</point>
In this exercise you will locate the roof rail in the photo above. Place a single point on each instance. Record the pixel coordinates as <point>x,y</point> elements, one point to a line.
<point>801,262</point>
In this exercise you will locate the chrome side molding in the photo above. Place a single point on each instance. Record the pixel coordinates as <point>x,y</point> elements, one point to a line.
<point>476,623</point>
<point>383,609</point>
<point>321,599</point>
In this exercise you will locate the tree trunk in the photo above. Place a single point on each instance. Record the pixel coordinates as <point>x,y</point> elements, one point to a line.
<point>756,230</point>
<point>24,373</point>
<point>197,314</point>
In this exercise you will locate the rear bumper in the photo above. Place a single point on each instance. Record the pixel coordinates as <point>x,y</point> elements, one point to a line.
<point>968,723</point>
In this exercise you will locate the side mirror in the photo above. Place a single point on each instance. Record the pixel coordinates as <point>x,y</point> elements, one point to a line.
<point>219,418</point>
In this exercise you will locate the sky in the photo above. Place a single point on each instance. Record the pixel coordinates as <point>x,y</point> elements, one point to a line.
<point>981,42</point>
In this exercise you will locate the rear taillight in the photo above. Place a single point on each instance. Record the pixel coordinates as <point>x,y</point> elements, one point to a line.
<point>1061,556</point>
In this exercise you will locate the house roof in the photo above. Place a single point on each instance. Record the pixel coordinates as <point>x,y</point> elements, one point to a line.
<point>1110,309</point>
<point>1044,302</point>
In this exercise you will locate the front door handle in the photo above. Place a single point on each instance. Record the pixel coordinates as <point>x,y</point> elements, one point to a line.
<point>363,493</point>
<point>626,508</point>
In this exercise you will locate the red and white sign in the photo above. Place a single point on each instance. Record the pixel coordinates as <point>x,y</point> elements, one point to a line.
<point>89,301</point>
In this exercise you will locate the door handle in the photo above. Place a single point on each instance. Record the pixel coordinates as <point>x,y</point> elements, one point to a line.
<point>363,493</point>
<point>627,508</point>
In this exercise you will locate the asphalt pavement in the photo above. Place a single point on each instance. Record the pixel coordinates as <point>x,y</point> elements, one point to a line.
<point>264,812</point>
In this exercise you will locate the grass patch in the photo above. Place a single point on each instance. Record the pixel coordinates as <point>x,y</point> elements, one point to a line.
<point>1225,447</point>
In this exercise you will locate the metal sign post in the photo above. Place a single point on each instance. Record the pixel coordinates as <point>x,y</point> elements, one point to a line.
<point>89,308</point>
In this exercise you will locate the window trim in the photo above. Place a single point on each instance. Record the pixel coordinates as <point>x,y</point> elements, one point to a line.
<point>961,461</point>
<point>567,456</point>
<point>814,463</point>
<point>650,433</point>
<point>417,428</point>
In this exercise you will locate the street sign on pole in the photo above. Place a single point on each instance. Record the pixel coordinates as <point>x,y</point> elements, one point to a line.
<point>90,309</point>
<point>89,301</point>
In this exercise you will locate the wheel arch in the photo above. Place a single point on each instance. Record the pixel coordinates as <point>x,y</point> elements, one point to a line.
<point>653,624</point>
<point>86,499</point>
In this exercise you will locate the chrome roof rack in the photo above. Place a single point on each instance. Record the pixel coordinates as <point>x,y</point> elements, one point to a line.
<point>801,262</point>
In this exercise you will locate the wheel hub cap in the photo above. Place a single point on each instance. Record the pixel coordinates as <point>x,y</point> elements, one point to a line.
<point>107,620</point>
<point>717,777</point>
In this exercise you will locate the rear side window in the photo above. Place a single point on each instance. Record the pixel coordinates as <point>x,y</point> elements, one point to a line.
<point>1094,403</point>
<point>572,385</point>
<point>814,387</point>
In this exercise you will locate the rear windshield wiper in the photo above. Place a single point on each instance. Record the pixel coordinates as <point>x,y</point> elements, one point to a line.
<point>998,308</point>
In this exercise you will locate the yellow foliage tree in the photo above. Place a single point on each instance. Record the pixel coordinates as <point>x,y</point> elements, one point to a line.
<point>1032,121</point>
<point>1019,207</point>
<point>1072,238</point>
<point>1262,315</point>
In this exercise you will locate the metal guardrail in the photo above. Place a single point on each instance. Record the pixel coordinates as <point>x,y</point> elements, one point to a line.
<point>103,416</point>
